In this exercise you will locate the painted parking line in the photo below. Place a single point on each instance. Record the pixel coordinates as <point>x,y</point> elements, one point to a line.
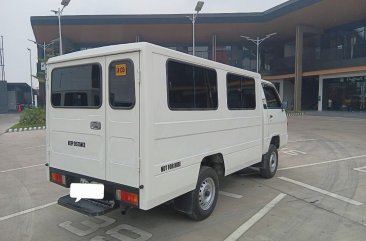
<point>330,194</point>
<point>228,194</point>
<point>20,168</point>
<point>248,224</point>
<point>26,211</point>
<point>360,169</point>
<point>302,140</point>
<point>321,163</point>
<point>292,152</point>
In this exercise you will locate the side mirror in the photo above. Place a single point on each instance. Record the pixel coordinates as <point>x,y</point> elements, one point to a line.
<point>284,105</point>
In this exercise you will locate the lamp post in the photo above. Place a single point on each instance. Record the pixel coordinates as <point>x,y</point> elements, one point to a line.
<point>58,12</point>
<point>193,19</point>
<point>31,77</point>
<point>257,42</point>
<point>44,46</point>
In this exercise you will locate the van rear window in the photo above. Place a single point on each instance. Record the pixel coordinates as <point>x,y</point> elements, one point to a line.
<point>122,84</point>
<point>77,86</point>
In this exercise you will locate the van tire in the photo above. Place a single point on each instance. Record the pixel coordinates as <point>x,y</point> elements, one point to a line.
<point>205,195</point>
<point>269,163</point>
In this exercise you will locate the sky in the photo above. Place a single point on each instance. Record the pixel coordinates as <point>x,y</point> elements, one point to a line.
<point>16,28</point>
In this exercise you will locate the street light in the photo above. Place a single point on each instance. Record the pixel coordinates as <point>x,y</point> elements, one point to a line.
<point>193,19</point>
<point>257,42</point>
<point>44,46</point>
<point>58,12</point>
<point>31,77</point>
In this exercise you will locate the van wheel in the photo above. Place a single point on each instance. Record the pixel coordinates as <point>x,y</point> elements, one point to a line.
<point>205,195</point>
<point>270,162</point>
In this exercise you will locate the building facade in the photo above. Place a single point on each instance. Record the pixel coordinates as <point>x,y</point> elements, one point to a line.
<point>317,59</point>
<point>3,97</point>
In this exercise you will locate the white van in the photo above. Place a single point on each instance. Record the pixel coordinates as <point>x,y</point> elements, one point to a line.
<point>156,125</point>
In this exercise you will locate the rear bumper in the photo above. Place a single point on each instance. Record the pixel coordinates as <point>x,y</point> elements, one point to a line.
<point>88,206</point>
<point>109,187</point>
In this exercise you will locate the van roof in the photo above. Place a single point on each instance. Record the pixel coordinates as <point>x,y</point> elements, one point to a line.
<point>132,47</point>
<point>97,52</point>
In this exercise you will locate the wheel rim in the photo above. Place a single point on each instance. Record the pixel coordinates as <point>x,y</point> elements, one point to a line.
<point>273,161</point>
<point>207,193</point>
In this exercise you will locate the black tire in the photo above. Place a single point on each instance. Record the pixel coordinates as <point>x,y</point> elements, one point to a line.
<point>207,184</point>
<point>269,163</point>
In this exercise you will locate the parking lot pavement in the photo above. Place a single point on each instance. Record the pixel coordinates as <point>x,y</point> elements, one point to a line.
<point>7,120</point>
<point>318,194</point>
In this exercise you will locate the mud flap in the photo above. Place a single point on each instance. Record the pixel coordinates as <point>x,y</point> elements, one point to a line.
<point>184,203</point>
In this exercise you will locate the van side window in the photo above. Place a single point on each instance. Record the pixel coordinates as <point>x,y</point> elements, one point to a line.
<point>273,101</point>
<point>122,84</point>
<point>191,87</point>
<point>77,86</point>
<point>240,92</point>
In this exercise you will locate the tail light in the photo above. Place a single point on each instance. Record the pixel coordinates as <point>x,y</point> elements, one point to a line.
<point>58,178</point>
<point>127,197</point>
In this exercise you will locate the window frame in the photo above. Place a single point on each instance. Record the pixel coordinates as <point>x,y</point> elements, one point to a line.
<point>227,96</point>
<point>134,85</point>
<point>193,65</point>
<point>79,107</point>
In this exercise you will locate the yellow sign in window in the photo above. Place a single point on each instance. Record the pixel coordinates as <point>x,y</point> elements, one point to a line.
<point>121,70</point>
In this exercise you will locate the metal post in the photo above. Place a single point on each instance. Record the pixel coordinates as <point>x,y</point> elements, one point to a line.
<point>44,51</point>
<point>59,29</point>
<point>258,54</point>
<point>31,77</point>
<point>2,60</point>
<point>194,16</point>
<point>298,68</point>
<point>194,44</point>
<point>64,3</point>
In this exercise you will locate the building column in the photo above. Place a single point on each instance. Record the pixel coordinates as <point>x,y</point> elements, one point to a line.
<point>298,68</point>
<point>214,47</point>
<point>281,88</point>
<point>320,95</point>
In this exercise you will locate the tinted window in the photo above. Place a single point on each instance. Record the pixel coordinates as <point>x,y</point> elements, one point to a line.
<point>273,101</point>
<point>122,84</point>
<point>191,87</point>
<point>240,92</point>
<point>77,86</point>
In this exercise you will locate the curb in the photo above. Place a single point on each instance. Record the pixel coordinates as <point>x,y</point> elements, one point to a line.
<point>25,129</point>
<point>295,113</point>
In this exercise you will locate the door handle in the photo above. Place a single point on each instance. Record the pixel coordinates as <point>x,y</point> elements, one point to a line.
<point>95,125</point>
<point>270,116</point>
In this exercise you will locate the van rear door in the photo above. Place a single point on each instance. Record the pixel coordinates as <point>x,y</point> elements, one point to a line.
<point>122,119</point>
<point>77,117</point>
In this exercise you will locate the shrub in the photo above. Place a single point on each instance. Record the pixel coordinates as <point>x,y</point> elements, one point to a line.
<point>35,116</point>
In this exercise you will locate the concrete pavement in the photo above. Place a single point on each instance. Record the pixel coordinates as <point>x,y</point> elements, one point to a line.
<point>8,120</point>
<point>321,176</point>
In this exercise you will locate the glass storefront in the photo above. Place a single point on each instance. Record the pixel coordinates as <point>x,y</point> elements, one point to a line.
<point>345,94</point>
<point>310,91</point>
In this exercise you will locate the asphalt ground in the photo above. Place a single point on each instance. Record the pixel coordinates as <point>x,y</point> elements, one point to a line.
<point>318,194</point>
